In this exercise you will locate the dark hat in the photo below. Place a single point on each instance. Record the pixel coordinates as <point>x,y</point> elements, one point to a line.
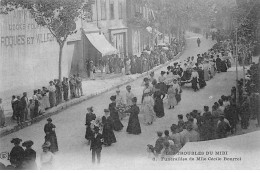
<point>134,99</point>
<point>175,63</point>
<point>162,72</point>
<point>16,140</point>
<point>106,110</point>
<point>150,147</point>
<point>113,98</point>
<point>189,126</point>
<point>27,143</point>
<point>146,79</point>
<point>90,109</point>
<point>159,133</point>
<point>128,87</point>
<point>96,128</point>
<point>174,127</point>
<point>49,119</point>
<point>206,107</point>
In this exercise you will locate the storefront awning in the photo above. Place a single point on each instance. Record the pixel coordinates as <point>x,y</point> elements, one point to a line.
<point>101,44</point>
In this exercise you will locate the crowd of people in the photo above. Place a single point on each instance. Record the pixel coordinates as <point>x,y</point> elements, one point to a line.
<point>28,108</point>
<point>25,159</point>
<point>133,64</point>
<point>219,122</point>
<point>223,119</point>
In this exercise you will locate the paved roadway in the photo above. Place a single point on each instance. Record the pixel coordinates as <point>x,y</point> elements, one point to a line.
<point>130,150</point>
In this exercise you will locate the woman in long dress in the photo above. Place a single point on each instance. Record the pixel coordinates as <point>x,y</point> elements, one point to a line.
<point>119,103</point>
<point>46,158</point>
<point>194,79</point>
<point>108,133</point>
<point>17,153</point>
<point>212,69</point>
<point>172,92</point>
<point>133,123</point>
<point>90,116</point>
<point>45,98</point>
<point>29,156</point>
<point>148,104</point>
<point>51,137</point>
<point>202,82</point>
<point>206,69</point>
<point>114,114</point>
<point>52,94</point>
<point>129,96</point>
<point>158,102</point>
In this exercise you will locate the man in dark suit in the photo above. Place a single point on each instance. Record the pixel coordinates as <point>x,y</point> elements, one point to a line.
<point>24,107</point>
<point>96,145</point>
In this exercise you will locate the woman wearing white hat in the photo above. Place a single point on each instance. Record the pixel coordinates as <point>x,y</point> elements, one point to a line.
<point>46,157</point>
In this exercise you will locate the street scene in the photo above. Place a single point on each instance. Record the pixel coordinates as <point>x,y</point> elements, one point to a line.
<point>129,84</point>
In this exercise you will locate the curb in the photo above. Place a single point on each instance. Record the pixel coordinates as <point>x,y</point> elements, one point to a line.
<point>64,106</point>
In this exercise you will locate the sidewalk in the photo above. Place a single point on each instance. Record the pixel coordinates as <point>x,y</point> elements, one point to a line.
<point>91,88</point>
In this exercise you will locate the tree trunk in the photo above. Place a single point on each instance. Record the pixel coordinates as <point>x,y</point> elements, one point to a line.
<point>60,60</point>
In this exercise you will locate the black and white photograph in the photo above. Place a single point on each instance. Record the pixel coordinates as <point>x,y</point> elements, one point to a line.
<point>129,85</point>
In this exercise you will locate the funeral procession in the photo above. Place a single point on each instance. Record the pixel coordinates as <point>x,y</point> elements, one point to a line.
<point>129,84</point>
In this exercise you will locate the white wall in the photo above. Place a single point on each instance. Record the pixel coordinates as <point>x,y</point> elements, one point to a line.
<point>28,54</point>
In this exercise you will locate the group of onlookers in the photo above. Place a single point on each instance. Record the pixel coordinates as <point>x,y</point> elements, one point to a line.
<point>134,64</point>
<point>27,108</point>
<point>221,121</point>
<point>25,159</point>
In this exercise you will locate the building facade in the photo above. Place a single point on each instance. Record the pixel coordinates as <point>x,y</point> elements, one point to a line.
<point>139,38</point>
<point>109,20</point>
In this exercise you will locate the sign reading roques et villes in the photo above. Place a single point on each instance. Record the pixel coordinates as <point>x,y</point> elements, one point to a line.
<point>21,29</point>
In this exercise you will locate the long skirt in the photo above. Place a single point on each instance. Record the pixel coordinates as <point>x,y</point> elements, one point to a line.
<point>89,133</point>
<point>54,143</point>
<point>118,125</point>
<point>206,75</point>
<point>194,83</point>
<point>212,71</point>
<point>2,118</point>
<point>133,126</point>
<point>52,99</point>
<point>148,108</point>
<point>158,108</point>
<point>46,102</point>
<point>108,136</point>
<point>202,83</point>
<point>178,97</point>
<point>163,87</point>
<point>172,100</point>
